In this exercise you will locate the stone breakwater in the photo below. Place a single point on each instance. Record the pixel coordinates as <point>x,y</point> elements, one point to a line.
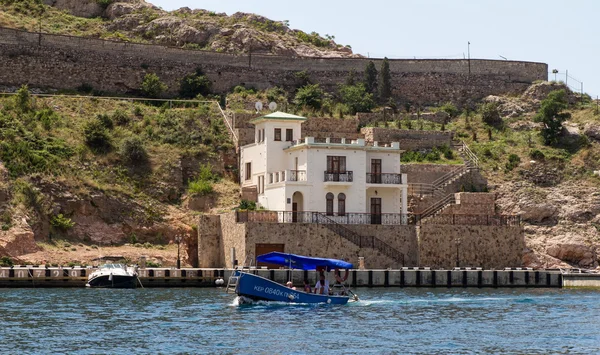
<point>65,62</point>
<point>405,277</point>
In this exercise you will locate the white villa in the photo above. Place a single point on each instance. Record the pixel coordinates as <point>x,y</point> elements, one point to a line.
<point>347,181</point>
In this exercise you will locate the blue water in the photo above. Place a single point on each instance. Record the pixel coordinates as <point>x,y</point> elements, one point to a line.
<point>385,321</point>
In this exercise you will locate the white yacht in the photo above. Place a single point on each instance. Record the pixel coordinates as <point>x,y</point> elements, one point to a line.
<point>113,276</point>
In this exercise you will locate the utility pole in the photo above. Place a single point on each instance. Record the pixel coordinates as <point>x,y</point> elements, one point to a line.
<point>469,56</point>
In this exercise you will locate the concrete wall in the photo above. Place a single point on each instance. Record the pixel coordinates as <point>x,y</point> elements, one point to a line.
<point>64,62</point>
<point>480,246</point>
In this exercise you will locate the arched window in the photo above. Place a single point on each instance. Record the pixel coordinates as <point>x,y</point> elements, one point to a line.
<point>341,204</point>
<point>329,205</point>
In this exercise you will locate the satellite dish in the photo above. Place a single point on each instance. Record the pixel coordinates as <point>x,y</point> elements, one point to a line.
<point>273,106</point>
<point>258,106</point>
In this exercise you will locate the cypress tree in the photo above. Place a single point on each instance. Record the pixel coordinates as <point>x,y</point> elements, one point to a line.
<point>371,78</point>
<point>385,86</point>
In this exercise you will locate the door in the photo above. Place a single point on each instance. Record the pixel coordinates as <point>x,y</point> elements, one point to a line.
<point>376,171</point>
<point>375,210</point>
<point>294,212</point>
<point>267,248</point>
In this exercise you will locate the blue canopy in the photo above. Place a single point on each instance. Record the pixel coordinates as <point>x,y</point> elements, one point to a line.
<point>302,262</point>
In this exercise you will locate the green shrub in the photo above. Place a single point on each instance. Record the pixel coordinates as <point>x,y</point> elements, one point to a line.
<point>121,118</point>
<point>247,205</point>
<point>152,264</point>
<point>61,222</point>
<point>6,261</point>
<point>152,86</point>
<point>309,96</point>
<point>490,114</point>
<point>106,121</point>
<point>148,245</point>
<point>552,116</point>
<point>194,84</point>
<point>132,151</point>
<point>22,100</point>
<point>356,98</point>
<point>276,94</point>
<point>200,187</point>
<point>96,136</point>
<point>537,155</point>
<point>513,162</point>
<point>48,118</point>
<point>450,109</point>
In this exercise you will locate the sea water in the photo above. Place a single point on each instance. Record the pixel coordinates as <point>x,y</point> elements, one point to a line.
<point>384,321</point>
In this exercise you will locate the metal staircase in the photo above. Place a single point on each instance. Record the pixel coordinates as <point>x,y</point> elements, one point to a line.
<point>359,240</point>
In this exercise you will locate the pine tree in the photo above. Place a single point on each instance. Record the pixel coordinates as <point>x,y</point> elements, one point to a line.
<point>371,78</point>
<point>385,85</point>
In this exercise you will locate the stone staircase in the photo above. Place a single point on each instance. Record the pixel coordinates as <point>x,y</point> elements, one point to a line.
<point>437,189</point>
<point>359,240</point>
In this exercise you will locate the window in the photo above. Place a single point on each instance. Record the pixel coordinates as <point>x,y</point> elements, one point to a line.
<point>329,205</point>
<point>336,164</point>
<point>278,134</point>
<point>248,171</point>
<point>289,135</point>
<point>341,204</point>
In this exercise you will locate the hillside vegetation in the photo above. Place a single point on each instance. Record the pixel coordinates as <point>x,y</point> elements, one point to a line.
<point>139,21</point>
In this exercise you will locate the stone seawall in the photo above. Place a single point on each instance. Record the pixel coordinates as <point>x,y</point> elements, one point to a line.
<point>64,62</point>
<point>405,277</point>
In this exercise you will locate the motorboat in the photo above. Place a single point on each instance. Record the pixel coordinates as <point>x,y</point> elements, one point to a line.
<point>113,276</point>
<point>250,287</point>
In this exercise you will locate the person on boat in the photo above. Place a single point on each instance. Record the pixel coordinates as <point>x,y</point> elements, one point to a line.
<point>322,286</point>
<point>290,285</point>
<point>307,287</point>
<point>338,286</point>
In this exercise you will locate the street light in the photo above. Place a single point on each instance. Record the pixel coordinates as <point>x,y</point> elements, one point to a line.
<point>554,71</point>
<point>178,239</point>
<point>457,241</point>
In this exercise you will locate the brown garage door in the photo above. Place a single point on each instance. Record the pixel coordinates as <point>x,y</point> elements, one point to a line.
<point>267,248</point>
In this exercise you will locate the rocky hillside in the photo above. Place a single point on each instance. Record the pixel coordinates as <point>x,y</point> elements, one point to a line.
<point>139,21</point>
<point>555,188</point>
<point>77,173</point>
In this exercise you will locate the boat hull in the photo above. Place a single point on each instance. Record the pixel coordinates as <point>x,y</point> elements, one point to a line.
<point>261,289</point>
<point>116,281</point>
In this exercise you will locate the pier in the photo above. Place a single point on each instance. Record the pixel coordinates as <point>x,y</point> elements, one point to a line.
<point>40,276</point>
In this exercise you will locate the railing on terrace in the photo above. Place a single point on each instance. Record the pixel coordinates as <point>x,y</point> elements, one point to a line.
<point>384,178</point>
<point>338,177</point>
<point>367,218</point>
<point>313,217</point>
<point>297,175</point>
<point>472,220</point>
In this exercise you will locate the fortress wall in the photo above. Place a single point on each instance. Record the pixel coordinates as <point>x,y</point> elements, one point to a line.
<point>65,62</point>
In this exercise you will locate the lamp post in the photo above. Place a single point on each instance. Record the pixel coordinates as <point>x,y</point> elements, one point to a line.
<point>178,241</point>
<point>457,241</point>
<point>554,71</point>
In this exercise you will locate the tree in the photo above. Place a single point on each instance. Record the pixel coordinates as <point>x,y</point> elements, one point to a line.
<point>551,115</point>
<point>370,77</point>
<point>385,78</point>
<point>309,96</point>
<point>194,84</point>
<point>490,114</point>
<point>152,86</point>
<point>356,98</point>
<point>23,100</point>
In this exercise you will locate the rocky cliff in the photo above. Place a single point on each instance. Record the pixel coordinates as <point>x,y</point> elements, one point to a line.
<point>140,21</point>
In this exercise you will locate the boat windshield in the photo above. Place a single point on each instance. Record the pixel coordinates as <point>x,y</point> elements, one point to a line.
<point>111,266</point>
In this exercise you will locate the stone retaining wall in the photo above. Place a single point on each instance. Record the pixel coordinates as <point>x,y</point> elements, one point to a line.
<point>409,139</point>
<point>64,62</point>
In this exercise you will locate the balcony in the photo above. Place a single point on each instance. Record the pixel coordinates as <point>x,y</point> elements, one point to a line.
<point>344,177</point>
<point>297,175</point>
<point>384,178</point>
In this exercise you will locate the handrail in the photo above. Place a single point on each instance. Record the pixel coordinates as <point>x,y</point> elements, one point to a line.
<point>438,206</point>
<point>470,155</point>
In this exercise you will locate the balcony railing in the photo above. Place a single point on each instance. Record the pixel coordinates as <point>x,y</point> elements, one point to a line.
<point>384,178</point>
<point>297,175</point>
<point>313,217</point>
<point>338,177</point>
<point>368,218</point>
